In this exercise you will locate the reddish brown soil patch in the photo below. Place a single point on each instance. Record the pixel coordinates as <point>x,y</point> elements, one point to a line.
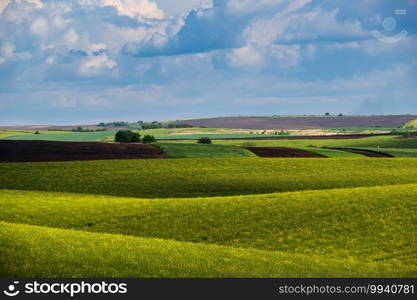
<point>36,151</point>
<point>368,153</point>
<point>282,152</point>
<point>302,122</point>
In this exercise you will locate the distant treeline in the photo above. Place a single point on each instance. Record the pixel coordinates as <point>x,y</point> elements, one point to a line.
<point>145,125</point>
<point>78,129</point>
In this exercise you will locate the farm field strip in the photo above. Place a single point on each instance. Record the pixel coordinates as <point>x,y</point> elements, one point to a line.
<point>66,136</point>
<point>353,232</point>
<point>53,253</point>
<point>173,150</point>
<point>201,177</point>
<point>372,142</point>
<point>365,223</point>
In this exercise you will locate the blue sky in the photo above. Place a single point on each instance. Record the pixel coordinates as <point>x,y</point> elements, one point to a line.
<point>87,61</point>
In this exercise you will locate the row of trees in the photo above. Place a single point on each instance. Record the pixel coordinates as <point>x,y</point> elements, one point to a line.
<point>145,125</point>
<point>128,136</point>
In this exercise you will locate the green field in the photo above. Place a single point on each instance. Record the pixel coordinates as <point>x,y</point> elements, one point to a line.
<point>411,124</point>
<point>205,176</point>
<point>15,134</point>
<point>345,232</point>
<point>214,211</point>
<point>396,152</point>
<point>370,142</point>
<point>394,145</point>
<point>172,150</point>
<point>65,136</point>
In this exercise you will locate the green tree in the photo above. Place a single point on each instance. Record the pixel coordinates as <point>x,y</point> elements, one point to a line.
<point>147,139</point>
<point>204,140</point>
<point>127,136</point>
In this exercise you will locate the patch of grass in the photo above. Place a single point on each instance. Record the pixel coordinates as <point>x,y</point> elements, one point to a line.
<point>396,152</point>
<point>376,224</point>
<point>67,136</point>
<point>6,134</point>
<point>410,124</point>
<point>370,142</point>
<point>196,177</point>
<point>331,152</point>
<point>31,251</point>
<point>172,150</point>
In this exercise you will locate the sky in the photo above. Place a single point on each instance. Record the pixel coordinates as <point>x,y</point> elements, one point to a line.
<point>90,61</point>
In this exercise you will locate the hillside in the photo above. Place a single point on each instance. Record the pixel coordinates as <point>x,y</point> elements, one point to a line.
<point>302,122</point>
<point>204,177</point>
<point>347,232</point>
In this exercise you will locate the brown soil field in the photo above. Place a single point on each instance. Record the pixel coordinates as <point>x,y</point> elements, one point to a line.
<point>43,151</point>
<point>302,122</point>
<point>368,153</point>
<point>282,152</point>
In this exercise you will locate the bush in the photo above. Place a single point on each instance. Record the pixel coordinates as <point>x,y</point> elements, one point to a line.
<point>37,132</point>
<point>204,140</point>
<point>147,139</point>
<point>127,136</point>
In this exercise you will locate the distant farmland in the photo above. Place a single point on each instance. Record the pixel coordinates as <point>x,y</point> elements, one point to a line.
<point>303,122</point>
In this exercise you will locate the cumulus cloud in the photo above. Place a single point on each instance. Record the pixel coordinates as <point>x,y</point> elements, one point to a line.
<point>135,8</point>
<point>95,64</point>
<point>39,26</point>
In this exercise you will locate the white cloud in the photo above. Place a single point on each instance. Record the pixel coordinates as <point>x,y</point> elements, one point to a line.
<point>296,26</point>
<point>245,56</point>
<point>342,46</point>
<point>94,65</point>
<point>288,55</point>
<point>37,3</point>
<point>96,48</point>
<point>7,49</point>
<point>59,21</point>
<point>135,8</point>
<point>39,26</point>
<point>71,36</point>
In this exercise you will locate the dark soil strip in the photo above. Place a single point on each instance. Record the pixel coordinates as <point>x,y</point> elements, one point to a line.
<point>44,151</point>
<point>282,152</point>
<point>368,153</point>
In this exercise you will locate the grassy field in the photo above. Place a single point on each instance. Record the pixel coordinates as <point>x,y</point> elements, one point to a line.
<point>205,176</point>
<point>370,142</point>
<point>394,145</point>
<point>65,136</point>
<point>196,133</point>
<point>411,124</point>
<point>14,134</point>
<point>8,133</point>
<point>396,152</point>
<point>332,153</point>
<point>57,253</point>
<point>345,232</point>
<point>210,215</point>
<point>173,150</point>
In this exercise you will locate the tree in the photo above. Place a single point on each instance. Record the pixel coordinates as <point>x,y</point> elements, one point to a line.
<point>327,114</point>
<point>127,136</point>
<point>204,140</point>
<point>37,132</point>
<point>147,139</point>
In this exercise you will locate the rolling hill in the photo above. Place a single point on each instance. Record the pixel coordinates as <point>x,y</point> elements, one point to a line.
<point>302,122</point>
